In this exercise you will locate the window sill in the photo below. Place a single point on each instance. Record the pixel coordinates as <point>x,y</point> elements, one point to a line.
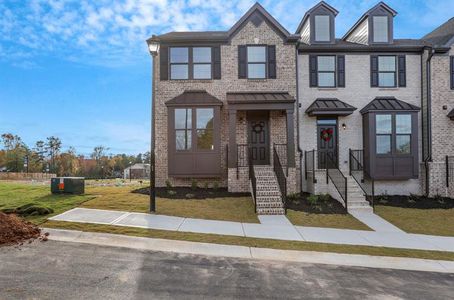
<point>394,88</point>
<point>257,79</point>
<point>327,88</point>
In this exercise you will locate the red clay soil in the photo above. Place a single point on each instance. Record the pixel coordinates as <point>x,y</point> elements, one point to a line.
<point>15,231</point>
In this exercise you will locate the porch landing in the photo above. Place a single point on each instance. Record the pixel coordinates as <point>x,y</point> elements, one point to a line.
<point>271,227</point>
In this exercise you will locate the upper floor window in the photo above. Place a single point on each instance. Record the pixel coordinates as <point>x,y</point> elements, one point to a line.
<point>380,29</point>
<point>256,62</point>
<point>386,71</point>
<point>190,63</point>
<point>322,28</point>
<point>327,71</point>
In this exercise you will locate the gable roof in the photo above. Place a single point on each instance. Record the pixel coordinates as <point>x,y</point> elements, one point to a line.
<point>366,15</point>
<point>443,35</point>
<point>309,12</point>
<point>330,106</point>
<point>388,104</point>
<point>256,14</point>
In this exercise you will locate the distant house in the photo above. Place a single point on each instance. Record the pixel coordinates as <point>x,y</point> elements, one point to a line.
<point>137,171</point>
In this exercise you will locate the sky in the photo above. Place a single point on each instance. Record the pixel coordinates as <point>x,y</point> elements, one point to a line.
<point>80,69</point>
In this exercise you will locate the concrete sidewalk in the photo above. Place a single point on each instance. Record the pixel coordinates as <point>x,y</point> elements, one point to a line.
<point>271,227</point>
<point>150,244</point>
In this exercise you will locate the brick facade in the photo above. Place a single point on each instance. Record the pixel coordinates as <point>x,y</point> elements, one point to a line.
<point>250,33</point>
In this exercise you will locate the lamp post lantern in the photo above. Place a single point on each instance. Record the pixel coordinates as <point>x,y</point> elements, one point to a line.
<point>153,47</point>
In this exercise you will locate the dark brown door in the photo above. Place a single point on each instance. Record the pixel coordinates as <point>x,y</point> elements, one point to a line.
<point>258,134</point>
<point>327,143</point>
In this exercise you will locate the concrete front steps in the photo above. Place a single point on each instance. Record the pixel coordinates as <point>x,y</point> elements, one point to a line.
<point>269,199</point>
<point>355,197</point>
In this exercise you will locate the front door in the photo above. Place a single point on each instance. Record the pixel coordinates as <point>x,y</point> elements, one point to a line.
<point>258,136</point>
<point>327,142</point>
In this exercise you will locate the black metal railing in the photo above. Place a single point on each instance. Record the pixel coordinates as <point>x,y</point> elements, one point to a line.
<point>281,150</point>
<point>449,170</point>
<point>242,156</point>
<point>309,164</point>
<point>253,180</point>
<point>361,176</point>
<point>281,179</point>
<point>337,178</point>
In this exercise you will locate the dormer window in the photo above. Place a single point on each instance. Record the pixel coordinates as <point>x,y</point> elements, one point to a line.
<point>380,29</point>
<point>322,28</point>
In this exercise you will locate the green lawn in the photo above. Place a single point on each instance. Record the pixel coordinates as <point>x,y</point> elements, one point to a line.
<point>253,242</point>
<point>13,195</point>
<point>342,221</point>
<point>424,221</point>
<point>120,198</point>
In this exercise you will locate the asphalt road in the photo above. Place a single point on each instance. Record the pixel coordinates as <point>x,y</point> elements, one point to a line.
<point>56,270</point>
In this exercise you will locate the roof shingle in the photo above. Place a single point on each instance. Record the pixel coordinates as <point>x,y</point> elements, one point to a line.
<point>388,104</point>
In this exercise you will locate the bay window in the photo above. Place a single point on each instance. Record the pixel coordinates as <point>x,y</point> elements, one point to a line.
<point>393,133</point>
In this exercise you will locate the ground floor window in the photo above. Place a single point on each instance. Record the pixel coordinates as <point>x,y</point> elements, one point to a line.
<point>393,133</point>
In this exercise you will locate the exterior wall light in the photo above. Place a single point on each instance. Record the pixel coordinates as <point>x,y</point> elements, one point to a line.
<point>344,126</point>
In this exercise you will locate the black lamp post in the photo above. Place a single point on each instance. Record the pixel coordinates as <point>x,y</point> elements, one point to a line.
<point>153,47</point>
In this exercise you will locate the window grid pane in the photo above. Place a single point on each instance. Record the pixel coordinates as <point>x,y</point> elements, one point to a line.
<point>403,144</point>
<point>383,124</point>
<point>202,71</point>
<point>256,71</point>
<point>204,118</point>
<point>386,63</point>
<point>322,33</point>
<point>183,139</point>
<point>179,71</point>
<point>178,55</point>
<point>326,79</point>
<point>383,144</point>
<point>403,124</point>
<point>183,118</point>
<point>205,139</point>
<point>380,29</point>
<point>256,54</point>
<point>387,79</point>
<point>326,63</point>
<point>201,54</point>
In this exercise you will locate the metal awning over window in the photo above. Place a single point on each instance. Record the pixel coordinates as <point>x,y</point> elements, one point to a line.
<point>329,106</point>
<point>388,104</point>
<point>451,114</point>
<point>194,98</point>
<point>260,101</point>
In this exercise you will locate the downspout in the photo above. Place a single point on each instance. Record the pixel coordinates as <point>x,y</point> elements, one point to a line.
<point>428,157</point>
<point>300,151</point>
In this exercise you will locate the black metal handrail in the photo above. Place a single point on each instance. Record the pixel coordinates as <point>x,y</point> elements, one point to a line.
<point>337,178</point>
<point>356,162</point>
<point>449,170</point>
<point>253,180</point>
<point>242,156</point>
<point>309,164</point>
<point>282,153</point>
<point>281,179</point>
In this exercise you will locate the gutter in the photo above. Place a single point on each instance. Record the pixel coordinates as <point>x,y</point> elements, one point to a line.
<point>428,158</point>
<point>300,151</point>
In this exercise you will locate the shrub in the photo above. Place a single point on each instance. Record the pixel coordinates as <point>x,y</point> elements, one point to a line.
<point>215,185</point>
<point>189,196</point>
<point>171,193</point>
<point>168,184</point>
<point>206,185</point>
<point>194,184</point>
<point>293,197</point>
<point>312,200</point>
<point>324,198</point>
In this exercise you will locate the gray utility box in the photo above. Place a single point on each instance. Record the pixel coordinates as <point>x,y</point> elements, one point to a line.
<point>67,185</point>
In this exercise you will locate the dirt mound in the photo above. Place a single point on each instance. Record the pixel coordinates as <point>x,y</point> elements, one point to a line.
<point>14,230</point>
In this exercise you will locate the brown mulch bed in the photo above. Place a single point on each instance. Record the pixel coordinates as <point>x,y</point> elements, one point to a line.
<point>414,201</point>
<point>325,204</point>
<point>190,193</point>
<point>15,230</point>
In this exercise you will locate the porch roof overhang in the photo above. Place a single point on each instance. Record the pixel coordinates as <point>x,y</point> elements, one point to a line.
<point>451,114</point>
<point>381,104</point>
<point>260,101</point>
<point>329,107</point>
<point>194,98</point>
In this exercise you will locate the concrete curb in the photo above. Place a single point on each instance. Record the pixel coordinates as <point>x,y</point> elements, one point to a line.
<point>150,244</point>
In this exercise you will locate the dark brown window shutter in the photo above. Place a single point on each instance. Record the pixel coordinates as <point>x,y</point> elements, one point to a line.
<point>341,70</point>
<point>402,67</point>
<point>242,62</point>
<point>313,70</point>
<point>272,61</point>
<point>216,57</point>
<point>164,62</point>
<point>374,71</point>
<point>452,72</point>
